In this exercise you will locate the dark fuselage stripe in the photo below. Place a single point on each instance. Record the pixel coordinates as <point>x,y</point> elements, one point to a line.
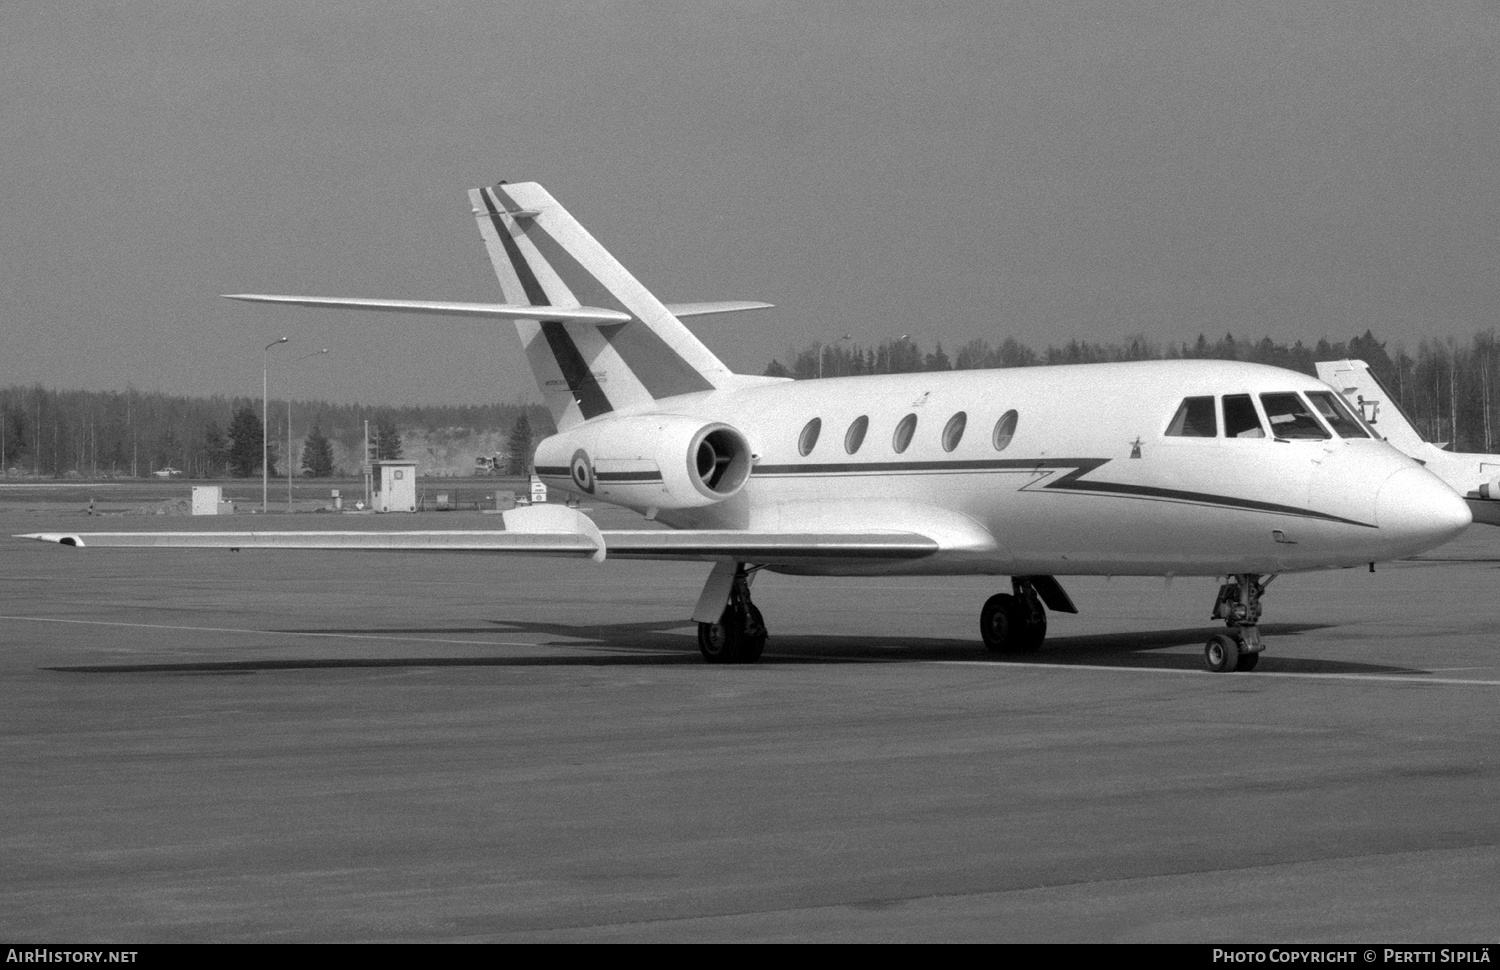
<point>556,471</point>
<point>1072,482</point>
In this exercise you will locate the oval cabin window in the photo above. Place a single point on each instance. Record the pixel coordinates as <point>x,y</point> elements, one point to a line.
<point>953,432</point>
<point>809,436</point>
<point>855,436</point>
<point>1005,429</point>
<point>902,439</point>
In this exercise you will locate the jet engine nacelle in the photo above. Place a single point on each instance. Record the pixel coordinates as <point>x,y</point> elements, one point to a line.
<point>650,461</point>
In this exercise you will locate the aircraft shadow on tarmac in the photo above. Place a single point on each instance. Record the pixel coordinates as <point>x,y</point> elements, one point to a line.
<point>671,642</point>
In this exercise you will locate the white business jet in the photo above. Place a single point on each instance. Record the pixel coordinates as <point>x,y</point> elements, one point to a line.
<point>1166,468</point>
<point>1473,475</point>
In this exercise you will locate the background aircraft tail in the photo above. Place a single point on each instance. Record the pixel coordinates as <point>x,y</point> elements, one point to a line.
<point>1360,387</point>
<point>585,368</point>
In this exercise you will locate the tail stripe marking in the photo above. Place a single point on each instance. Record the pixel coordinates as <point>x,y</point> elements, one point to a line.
<point>535,295</point>
<point>591,398</point>
<point>652,361</point>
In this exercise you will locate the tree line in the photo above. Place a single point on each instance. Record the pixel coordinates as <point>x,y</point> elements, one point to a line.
<point>1447,388</point>
<point>97,434</point>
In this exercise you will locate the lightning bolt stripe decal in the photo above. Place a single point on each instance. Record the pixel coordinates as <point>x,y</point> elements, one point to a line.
<point>1073,482</point>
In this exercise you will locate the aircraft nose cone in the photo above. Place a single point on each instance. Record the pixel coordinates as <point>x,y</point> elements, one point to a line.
<point>1417,510</point>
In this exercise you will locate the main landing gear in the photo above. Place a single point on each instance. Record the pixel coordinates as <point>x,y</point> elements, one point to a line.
<point>1016,622</point>
<point>739,634</point>
<point>1238,605</point>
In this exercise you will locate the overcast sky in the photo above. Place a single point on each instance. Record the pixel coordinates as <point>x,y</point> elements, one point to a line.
<point>1041,170</point>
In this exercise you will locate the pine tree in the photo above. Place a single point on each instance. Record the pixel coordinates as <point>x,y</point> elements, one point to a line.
<point>215,450</point>
<point>387,440</point>
<point>317,455</point>
<point>246,435</point>
<point>521,439</point>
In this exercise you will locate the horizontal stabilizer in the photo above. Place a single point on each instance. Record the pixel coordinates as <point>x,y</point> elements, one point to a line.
<point>680,310</point>
<point>503,311</point>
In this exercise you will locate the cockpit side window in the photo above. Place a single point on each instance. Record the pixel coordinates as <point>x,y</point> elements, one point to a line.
<point>1194,419</point>
<point>1240,419</point>
<point>1336,414</point>
<point>1290,418</point>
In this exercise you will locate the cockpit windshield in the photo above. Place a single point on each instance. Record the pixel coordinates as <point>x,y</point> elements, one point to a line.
<point>1290,418</point>
<point>1337,415</point>
<point>1194,419</point>
<point>1240,419</point>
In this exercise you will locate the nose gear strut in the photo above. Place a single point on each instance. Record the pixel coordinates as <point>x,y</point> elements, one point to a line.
<point>1238,605</point>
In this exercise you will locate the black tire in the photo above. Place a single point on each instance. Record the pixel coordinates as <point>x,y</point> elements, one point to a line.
<point>1247,662</point>
<point>1005,626</point>
<point>1221,654</point>
<point>999,624</point>
<point>1032,635</point>
<point>726,642</point>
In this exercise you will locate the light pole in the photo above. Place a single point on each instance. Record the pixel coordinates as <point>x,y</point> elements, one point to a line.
<point>265,427</point>
<point>824,343</point>
<point>315,353</point>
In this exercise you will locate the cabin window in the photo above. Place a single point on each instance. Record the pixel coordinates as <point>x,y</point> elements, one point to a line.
<point>1290,418</point>
<point>1240,419</point>
<point>1194,419</point>
<point>809,436</point>
<point>1005,429</point>
<point>855,436</point>
<point>902,438</point>
<point>953,431</point>
<point>1335,413</point>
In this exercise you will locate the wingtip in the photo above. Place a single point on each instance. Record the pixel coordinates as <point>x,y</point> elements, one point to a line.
<point>61,538</point>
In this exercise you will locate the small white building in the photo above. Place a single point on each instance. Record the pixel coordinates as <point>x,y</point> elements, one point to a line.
<point>209,500</point>
<point>397,486</point>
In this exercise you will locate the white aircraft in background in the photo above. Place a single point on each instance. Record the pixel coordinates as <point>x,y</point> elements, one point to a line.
<point>1165,468</point>
<point>1474,476</point>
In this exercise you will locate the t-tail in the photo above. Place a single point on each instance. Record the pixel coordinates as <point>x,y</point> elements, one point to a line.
<point>586,367</point>
<point>597,340</point>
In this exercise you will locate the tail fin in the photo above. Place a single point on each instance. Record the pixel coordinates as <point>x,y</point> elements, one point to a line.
<point>544,258</point>
<point>1355,380</point>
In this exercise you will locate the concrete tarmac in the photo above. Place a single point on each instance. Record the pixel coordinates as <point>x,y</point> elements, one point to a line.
<point>211,746</point>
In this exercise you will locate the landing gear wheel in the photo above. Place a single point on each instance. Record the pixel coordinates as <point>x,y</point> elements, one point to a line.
<point>1222,654</point>
<point>738,637</point>
<point>1006,625</point>
<point>1247,662</point>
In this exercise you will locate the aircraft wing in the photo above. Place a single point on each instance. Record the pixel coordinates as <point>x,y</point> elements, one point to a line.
<point>705,545</point>
<point>547,530</point>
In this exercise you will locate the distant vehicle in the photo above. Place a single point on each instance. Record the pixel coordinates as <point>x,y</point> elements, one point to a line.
<point>1149,468</point>
<point>1473,475</point>
<point>167,472</point>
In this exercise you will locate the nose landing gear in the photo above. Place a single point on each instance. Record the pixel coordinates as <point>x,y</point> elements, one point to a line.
<point>1238,605</point>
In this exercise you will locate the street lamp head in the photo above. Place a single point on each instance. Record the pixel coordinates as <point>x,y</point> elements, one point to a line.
<point>278,340</point>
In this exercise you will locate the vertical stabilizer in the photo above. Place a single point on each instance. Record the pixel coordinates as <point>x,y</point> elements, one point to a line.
<point>544,258</point>
<point>1353,379</point>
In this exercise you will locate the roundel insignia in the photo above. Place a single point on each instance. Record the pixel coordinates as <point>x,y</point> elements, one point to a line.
<point>583,471</point>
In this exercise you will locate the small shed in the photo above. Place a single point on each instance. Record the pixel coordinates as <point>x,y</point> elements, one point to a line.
<point>396,490</point>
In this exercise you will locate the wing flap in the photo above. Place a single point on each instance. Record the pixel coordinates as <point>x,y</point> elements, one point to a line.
<point>766,547</point>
